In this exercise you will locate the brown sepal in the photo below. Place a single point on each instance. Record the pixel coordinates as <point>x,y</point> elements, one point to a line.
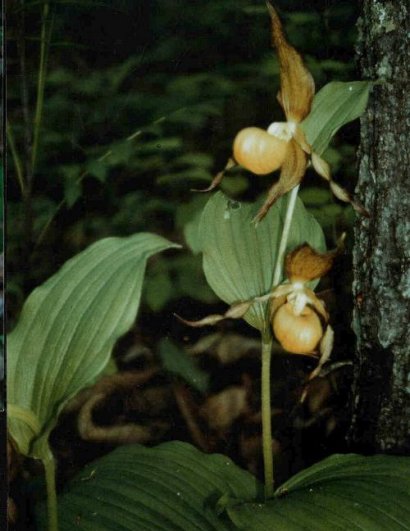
<point>297,87</point>
<point>305,263</point>
<point>292,172</point>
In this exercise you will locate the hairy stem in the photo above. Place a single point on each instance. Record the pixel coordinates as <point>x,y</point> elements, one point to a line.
<point>50,471</point>
<point>285,235</point>
<point>266,417</point>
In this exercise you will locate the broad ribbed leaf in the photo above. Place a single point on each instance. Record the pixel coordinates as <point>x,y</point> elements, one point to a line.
<point>173,486</point>
<point>239,258</point>
<point>67,329</point>
<point>343,492</point>
<point>336,104</point>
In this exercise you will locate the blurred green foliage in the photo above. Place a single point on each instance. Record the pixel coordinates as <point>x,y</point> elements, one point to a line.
<point>142,102</point>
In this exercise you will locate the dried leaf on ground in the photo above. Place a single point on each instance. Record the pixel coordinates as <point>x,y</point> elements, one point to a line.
<point>221,410</point>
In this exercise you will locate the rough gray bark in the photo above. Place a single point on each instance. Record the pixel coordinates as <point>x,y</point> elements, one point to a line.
<point>381,320</point>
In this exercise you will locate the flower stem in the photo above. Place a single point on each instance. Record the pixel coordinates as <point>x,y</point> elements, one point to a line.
<point>285,235</point>
<point>50,471</point>
<point>266,417</point>
<point>267,354</point>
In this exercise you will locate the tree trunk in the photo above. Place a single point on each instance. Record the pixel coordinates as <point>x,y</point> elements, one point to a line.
<point>381,257</point>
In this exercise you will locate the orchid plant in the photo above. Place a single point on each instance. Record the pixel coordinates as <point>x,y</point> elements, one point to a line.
<point>296,316</point>
<point>266,272</point>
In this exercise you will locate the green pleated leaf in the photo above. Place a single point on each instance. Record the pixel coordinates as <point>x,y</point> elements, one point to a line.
<point>343,492</point>
<point>336,104</point>
<point>67,329</point>
<point>239,258</point>
<point>173,486</point>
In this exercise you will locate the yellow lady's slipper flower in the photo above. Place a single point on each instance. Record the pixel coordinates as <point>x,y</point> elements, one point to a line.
<point>283,145</point>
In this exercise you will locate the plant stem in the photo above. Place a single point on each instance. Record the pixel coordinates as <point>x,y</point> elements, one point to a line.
<point>16,159</point>
<point>40,83</point>
<point>285,235</point>
<point>267,354</point>
<point>266,417</point>
<point>50,471</point>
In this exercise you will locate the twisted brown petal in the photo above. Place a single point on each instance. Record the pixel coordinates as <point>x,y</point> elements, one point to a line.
<point>317,304</point>
<point>325,349</point>
<point>292,172</point>
<point>323,169</point>
<point>296,83</point>
<point>206,321</point>
<point>326,346</point>
<point>236,311</point>
<point>218,177</point>
<point>300,138</point>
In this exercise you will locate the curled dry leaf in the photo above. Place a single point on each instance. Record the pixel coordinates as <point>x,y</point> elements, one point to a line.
<point>11,511</point>
<point>226,348</point>
<point>117,434</point>
<point>141,400</point>
<point>188,409</point>
<point>221,410</point>
<point>321,398</point>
